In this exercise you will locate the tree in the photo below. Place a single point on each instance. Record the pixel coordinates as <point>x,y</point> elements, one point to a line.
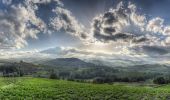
<point>53,76</point>
<point>98,80</point>
<point>159,80</point>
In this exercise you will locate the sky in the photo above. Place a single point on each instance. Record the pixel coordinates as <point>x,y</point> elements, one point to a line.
<point>113,29</point>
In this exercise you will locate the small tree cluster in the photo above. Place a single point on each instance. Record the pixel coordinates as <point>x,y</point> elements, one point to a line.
<point>161,80</point>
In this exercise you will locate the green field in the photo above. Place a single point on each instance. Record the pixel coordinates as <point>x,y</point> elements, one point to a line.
<point>48,89</point>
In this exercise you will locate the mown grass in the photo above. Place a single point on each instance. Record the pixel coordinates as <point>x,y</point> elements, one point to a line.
<point>47,89</point>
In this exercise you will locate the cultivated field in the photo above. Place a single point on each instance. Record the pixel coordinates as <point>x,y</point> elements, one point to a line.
<point>27,88</point>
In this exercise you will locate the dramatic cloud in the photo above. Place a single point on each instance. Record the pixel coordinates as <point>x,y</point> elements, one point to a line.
<point>19,21</point>
<point>16,24</point>
<point>65,21</point>
<point>120,24</point>
<point>155,25</point>
<point>24,19</point>
<point>124,24</point>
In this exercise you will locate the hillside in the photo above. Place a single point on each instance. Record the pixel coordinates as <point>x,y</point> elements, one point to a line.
<point>74,68</point>
<point>148,68</point>
<point>20,68</point>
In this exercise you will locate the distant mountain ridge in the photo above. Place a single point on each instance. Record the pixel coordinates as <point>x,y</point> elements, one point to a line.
<point>68,62</point>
